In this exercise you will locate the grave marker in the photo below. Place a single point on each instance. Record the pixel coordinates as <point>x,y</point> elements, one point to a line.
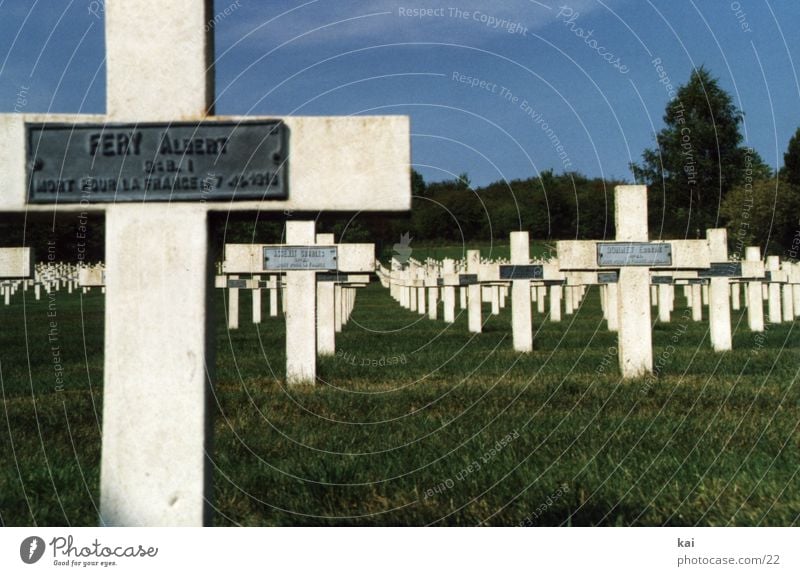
<point>520,273</point>
<point>433,291</point>
<point>233,285</point>
<point>635,257</point>
<point>16,263</point>
<point>719,295</point>
<point>755,301</point>
<point>449,291</point>
<point>326,314</point>
<point>633,305</point>
<point>300,260</point>
<point>474,301</point>
<point>774,290</point>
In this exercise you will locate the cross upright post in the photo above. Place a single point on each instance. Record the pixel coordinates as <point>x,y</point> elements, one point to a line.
<point>521,324</point>
<point>719,293</point>
<point>755,301</point>
<point>474,296</point>
<point>633,302</point>
<point>326,323</point>
<point>449,292</point>
<point>155,416</point>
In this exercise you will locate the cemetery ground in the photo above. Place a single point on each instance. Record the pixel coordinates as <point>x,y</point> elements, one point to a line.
<point>416,422</point>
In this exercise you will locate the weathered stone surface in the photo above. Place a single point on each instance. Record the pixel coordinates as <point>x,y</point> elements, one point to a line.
<point>16,262</point>
<point>521,325</point>
<point>157,361</point>
<point>301,320</point>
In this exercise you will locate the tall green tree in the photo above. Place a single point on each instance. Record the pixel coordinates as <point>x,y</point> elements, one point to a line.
<point>791,160</point>
<point>698,160</point>
<point>764,210</point>
<point>418,185</point>
<point>762,213</point>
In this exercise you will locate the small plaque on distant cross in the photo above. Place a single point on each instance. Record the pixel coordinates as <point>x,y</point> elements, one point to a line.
<point>634,254</point>
<point>522,272</point>
<point>300,258</point>
<point>176,162</point>
<point>331,277</point>
<point>722,270</point>
<point>607,277</point>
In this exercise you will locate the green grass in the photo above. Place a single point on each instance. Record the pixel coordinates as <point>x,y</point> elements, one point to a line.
<point>404,425</point>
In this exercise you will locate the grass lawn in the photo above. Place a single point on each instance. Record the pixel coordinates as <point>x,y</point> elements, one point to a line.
<point>417,422</point>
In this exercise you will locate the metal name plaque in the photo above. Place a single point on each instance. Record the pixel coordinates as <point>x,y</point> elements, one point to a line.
<point>722,270</point>
<point>607,277</point>
<point>522,272</point>
<point>332,277</point>
<point>300,257</point>
<point>237,283</point>
<point>467,279</point>
<point>661,280</point>
<point>634,254</point>
<point>191,162</point>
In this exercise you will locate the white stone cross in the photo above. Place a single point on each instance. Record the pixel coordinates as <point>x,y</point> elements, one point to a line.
<point>310,306</point>
<point>431,283</point>
<point>755,301</point>
<point>449,291</point>
<point>330,289</point>
<point>712,285</point>
<point>777,277</point>
<point>528,281</point>
<point>793,286</point>
<point>521,323</point>
<point>91,277</point>
<point>634,256</point>
<point>16,264</point>
<point>491,281</point>
<point>159,66</point>
<point>474,296</point>
<point>232,283</point>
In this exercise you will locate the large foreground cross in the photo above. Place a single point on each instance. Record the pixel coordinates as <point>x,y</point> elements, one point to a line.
<point>157,163</point>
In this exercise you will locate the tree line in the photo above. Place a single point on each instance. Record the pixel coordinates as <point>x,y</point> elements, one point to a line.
<point>700,174</point>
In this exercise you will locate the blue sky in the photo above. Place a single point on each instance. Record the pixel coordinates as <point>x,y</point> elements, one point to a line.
<point>560,85</point>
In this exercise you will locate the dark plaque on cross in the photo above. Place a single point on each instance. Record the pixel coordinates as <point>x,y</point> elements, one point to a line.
<point>522,272</point>
<point>722,270</point>
<point>608,277</point>
<point>175,162</point>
